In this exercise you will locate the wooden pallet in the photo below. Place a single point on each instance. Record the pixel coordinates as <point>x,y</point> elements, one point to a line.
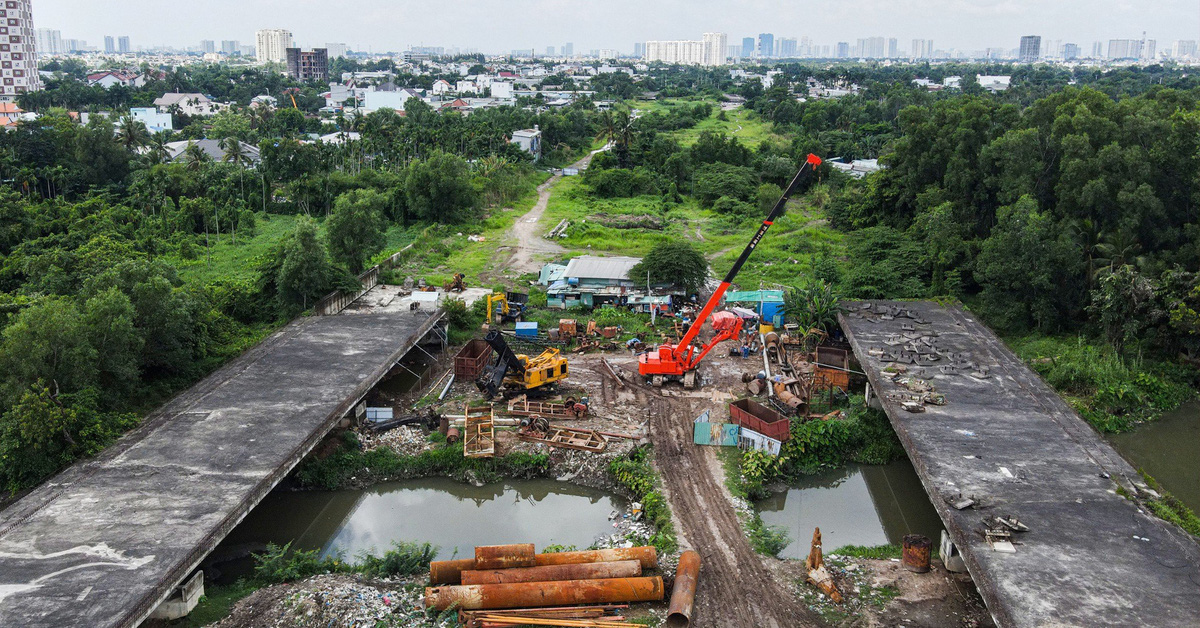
<point>567,438</point>
<point>479,433</point>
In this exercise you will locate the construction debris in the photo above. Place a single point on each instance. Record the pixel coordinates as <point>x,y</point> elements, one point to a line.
<point>538,430</point>
<point>450,571</point>
<point>818,576</point>
<point>480,439</point>
<point>683,593</point>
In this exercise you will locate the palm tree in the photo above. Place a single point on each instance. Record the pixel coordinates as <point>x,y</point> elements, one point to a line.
<point>608,127</point>
<point>194,156</point>
<point>132,134</point>
<point>158,152</point>
<point>1091,242</point>
<point>236,155</point>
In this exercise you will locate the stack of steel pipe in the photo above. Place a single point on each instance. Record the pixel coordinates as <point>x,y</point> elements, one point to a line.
<point>513,576</point>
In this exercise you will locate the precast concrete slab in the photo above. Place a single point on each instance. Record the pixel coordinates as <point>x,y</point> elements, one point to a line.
<point>105,541</point>
<point>1007,441</point>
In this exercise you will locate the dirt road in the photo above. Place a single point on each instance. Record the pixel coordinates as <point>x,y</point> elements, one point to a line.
<point>527,233</point>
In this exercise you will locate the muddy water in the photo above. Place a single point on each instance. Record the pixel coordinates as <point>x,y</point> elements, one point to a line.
<point>451,515</point>
<point>855,505</point>
<point>1167,450</point>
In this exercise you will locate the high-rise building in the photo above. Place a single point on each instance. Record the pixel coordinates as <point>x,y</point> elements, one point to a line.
<point>208,46</point>
<point>123,45</point>
<point>788,48</point>
<point>307,65</point>
<point>1184,49</point>
<point>843,49</point>
<point>336,50</point>
<point>1124,49</point>
<point>921,49</point>
<point>1149,49</point>
<point>569,50</point>
<point>893,49</point>
<point>110,45</point>
<point>49,42</point>
<point>766,45</point>
<point>271,44</point>
<point>1097,50</point>
<point>747,47</point>
<point>639,49</point>
<point>715,47</point>
<point>231,47</point>
<point>872,47</point>
<point>1070,52</point>
<point>18,55</point>
<point>1031,49</point>
<point>735,52</point>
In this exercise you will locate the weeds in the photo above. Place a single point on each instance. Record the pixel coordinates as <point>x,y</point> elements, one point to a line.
<point>876,552</point>
<point>1168,507</point>
<point>636,474</point>
<point>337,470</point>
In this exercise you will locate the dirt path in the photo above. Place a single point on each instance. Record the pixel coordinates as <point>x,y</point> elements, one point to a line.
<point>527,233</point>
<point>736,587</point>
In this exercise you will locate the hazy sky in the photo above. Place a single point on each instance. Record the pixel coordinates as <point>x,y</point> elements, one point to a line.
<point>502,25</point>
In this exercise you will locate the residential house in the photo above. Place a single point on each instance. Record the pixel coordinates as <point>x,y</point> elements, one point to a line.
<point>178,150</point>
<point>110,78</point>
<point>994,83</point>
<point>458,104</point>
<point>530,141</point>
<point>10,114</point>
<point>441,88</point>
<point>155,121</point>
<point>190,104</point>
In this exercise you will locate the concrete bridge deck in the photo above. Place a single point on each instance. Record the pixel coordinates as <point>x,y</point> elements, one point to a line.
<point>1007,440</point>
<point>105,541</point>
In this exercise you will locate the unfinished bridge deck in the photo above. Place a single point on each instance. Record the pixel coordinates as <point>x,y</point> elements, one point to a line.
<point>1005,439</point>
<point>103,542</point>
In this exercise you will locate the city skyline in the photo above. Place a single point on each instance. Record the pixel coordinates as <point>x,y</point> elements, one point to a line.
<point>382,26</point>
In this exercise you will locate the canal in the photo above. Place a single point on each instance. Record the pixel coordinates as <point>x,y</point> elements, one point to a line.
<point>854,505</point>
<point>1167,450</point>
<point>451,515</point>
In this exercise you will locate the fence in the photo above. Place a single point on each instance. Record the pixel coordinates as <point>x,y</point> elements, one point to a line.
<point>336,301</point>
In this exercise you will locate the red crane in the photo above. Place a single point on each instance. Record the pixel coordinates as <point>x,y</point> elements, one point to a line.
<point>680,361</point>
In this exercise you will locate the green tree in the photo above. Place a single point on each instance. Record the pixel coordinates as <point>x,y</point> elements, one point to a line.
<point>673,261</point>
<point>813,305</point>
<point>439,189</point>
<point>35,437</point>
<point>1029,274</point>
<point>110,321</point>
<point>132,134</point>
<point>48,342</point>
<point>356,228</point>
<point>304,273</point>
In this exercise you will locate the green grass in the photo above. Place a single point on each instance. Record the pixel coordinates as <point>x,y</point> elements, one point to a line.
<point>742,123</point>
<point>223,259</point>
<point>1169,508</point>
<point>217,602</point>
<point>876,552</point>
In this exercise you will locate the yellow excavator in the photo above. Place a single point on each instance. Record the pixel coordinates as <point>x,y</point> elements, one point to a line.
<point>518,372</point>
<point>506,307</point>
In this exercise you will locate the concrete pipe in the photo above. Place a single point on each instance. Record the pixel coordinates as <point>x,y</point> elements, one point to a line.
<point>550,573</point>
<point>505,556</point>
<point>646,555</point>
<point>683,594</point>
<point>538,594</point>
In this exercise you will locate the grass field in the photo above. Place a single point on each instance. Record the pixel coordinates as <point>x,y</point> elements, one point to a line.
<point>742,123</point>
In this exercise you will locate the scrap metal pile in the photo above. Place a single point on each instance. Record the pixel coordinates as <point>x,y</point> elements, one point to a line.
<point>511,585</point>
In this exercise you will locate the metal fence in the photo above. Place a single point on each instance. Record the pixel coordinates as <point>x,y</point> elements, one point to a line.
<point>336,301</point>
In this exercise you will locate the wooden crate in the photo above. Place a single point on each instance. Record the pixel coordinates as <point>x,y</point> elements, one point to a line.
<point>479,433</point>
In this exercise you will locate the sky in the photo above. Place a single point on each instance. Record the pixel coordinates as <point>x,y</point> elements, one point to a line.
<point>504,25</point>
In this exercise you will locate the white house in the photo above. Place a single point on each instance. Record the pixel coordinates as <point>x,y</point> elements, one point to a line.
<point>441,88</point>
<point>110,78</point>
<point>155,121</point>
<point>994,83</point>
<point>466,86</point>
<point>190,104</point>
<point>502,89</point>
<point>952,82</point>
<point>376,100</point>
<point>530,140</point>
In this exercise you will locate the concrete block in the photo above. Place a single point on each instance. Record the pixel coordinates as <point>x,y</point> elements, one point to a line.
<point>950,556</point>
<point>183,600</point>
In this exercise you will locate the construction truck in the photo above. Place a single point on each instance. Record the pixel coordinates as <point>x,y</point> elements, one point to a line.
<point>670,362</point>
<point>519,373</point>
<point>507,307</point>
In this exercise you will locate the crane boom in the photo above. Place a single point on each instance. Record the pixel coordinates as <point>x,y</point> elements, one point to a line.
<point>682,357</point>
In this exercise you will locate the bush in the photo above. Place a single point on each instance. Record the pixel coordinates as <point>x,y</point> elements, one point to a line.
<point>280,563</point>
<point>637,475</point>
<point>716,180</point>
<point>404,559</point>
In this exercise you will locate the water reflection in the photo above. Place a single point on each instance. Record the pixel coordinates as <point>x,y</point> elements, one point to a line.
<point>855,505</point>
<point>1167,450</point>
<point>452,515</point>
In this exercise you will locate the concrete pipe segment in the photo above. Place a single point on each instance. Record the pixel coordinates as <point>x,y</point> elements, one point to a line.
<point>683,594</point>
<point>536,594</point>
<point>550,573</point>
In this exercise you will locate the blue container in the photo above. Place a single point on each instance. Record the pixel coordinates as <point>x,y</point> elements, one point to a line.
<point>527,330</point>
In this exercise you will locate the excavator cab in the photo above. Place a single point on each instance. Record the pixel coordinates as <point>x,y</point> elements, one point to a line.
<point>507,307</point>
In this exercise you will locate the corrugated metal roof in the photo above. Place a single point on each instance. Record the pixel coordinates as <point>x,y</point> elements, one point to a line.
<point>591,267</point>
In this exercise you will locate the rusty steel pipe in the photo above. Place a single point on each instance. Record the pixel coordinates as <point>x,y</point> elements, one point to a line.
<point>683,594</point>
<point>505,556</point>
<point>534,594</point>
<point>647,556</point>
<point>549,573</point>
<point>450,571</point>
<point>916,553</point>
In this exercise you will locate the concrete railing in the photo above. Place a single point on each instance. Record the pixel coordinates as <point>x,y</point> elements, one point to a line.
<point>336,301</point>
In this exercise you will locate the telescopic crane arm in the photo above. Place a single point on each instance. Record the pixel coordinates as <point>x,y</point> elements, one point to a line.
<point>683,357</point>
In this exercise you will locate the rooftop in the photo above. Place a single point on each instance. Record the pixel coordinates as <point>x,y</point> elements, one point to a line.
<point>592,267</point>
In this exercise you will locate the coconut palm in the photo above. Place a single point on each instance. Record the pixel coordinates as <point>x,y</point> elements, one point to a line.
<point>132,134</point>
<point>236,154</point>
<point>194,157</point>
<point>158,152</point>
